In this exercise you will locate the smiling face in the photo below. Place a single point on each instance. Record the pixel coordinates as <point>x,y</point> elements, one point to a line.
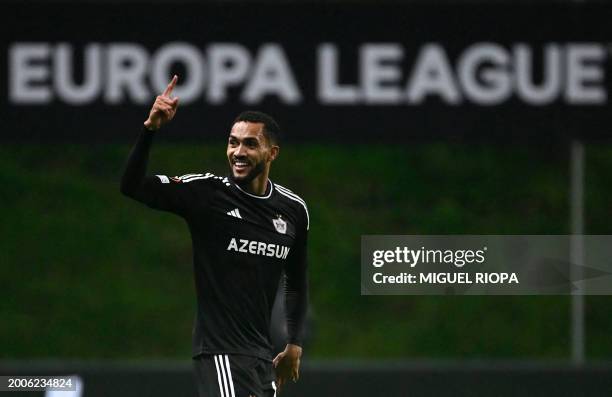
<point>250,153</point>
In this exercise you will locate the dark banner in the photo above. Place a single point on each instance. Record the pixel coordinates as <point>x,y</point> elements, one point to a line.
<point>340,72</point>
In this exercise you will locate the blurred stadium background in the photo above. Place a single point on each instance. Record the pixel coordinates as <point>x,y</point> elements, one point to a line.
<point>97,285</point>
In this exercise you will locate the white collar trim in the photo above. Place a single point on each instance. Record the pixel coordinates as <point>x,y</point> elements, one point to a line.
<point>256,196</point>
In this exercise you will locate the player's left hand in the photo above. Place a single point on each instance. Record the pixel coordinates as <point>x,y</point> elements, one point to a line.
<point>287,365</point>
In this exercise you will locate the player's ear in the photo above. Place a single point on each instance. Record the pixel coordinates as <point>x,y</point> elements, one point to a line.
<point>274,150</point>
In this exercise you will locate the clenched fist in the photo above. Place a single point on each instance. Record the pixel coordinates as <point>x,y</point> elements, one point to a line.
<point>164,108</point>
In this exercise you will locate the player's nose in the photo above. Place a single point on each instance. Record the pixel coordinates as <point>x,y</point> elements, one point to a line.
<point>240,150</point>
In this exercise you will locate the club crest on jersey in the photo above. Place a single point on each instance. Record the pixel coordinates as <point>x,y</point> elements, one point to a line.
<point>280,225</point>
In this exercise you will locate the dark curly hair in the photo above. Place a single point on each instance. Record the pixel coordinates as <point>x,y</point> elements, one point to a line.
<point>271,128</point>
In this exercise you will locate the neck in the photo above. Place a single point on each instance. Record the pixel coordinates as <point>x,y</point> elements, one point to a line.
<point>259,185</point>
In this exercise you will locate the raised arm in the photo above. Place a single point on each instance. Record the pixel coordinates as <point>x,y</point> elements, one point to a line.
<point>163,110</point>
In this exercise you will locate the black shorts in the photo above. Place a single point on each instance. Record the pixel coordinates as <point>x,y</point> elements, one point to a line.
<point>229,375</point>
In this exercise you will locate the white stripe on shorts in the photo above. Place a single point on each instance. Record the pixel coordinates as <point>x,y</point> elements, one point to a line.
<point>219,377</point>
<point>229,371</point>
<point>223,373</point>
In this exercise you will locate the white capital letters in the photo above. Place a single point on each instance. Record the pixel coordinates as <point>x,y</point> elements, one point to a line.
<point>24,73</point>
<point>63,80</point>
<point>328,88</point>
<point>229,65</point>
<point>272,76</point>
<point>585,74</point>
<point>432,75</point>
<point>493,60</point>
<point>378,74</point>
<point>127,69</point>
<point>550,88</point>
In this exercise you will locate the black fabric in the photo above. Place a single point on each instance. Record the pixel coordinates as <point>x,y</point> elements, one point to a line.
<point>233,376</point>
<point>241,246</point>
<point>296,290</point>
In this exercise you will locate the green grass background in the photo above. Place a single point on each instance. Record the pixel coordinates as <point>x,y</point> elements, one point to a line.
<point>87,273</point>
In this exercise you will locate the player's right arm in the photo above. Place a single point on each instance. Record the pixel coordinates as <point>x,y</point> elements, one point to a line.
<point>158,192</point>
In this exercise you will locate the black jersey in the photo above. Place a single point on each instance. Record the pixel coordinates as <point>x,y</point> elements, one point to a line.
<point>241,245</point>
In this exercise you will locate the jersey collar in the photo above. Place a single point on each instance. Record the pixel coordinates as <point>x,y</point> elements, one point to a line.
<point>266,196</point>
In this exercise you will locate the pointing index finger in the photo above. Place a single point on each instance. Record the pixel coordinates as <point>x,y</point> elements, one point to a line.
<point>170,86</point>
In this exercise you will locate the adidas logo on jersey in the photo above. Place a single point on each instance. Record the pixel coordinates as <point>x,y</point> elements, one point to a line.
<point>235,213</point>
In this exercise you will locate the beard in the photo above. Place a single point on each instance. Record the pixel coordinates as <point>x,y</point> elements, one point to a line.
<point>242,181</point>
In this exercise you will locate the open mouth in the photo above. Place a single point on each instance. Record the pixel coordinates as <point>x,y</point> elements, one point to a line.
<point>240,165</point>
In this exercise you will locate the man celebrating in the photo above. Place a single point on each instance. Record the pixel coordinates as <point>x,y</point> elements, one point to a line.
<point>245,230</point>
